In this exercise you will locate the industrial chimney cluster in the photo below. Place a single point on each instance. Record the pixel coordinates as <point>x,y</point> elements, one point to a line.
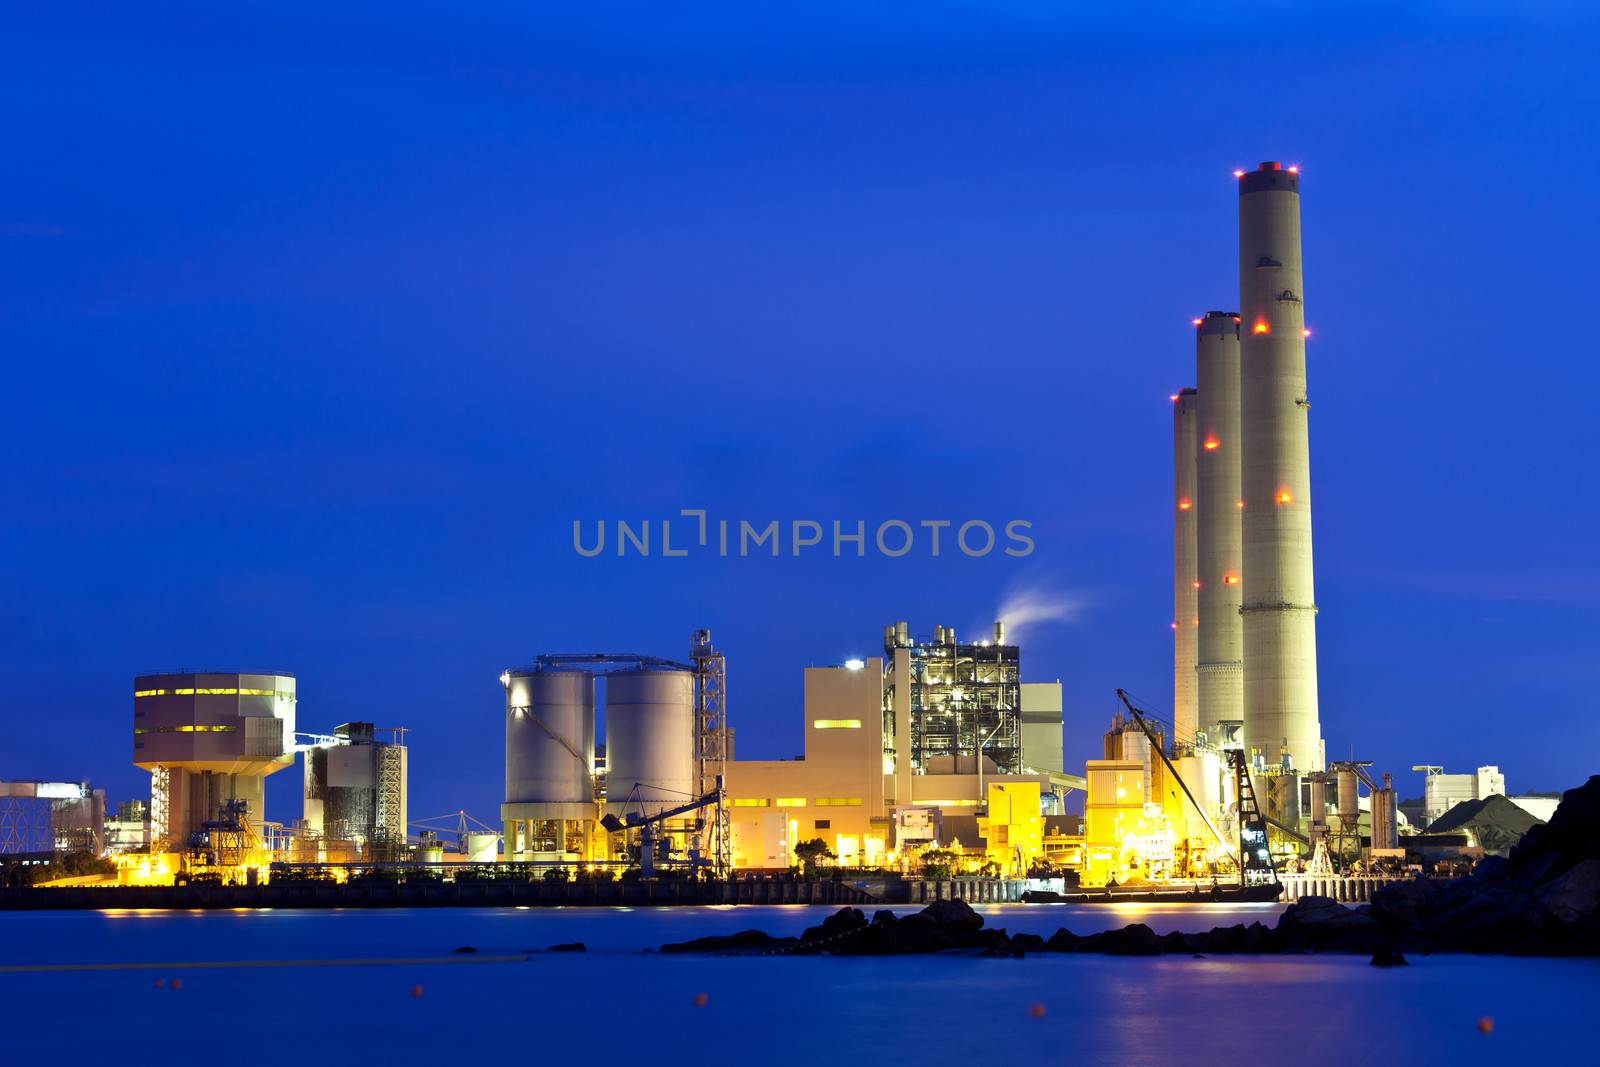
<point>1245,659</point>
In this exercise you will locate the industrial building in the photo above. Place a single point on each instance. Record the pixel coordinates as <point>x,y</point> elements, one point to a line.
<point>938,742</point>
<point>666,744</point>
<point>355,786</point>
<point>209,740</point>
<point>42,820</point>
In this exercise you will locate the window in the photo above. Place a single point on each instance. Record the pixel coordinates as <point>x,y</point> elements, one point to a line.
<point>185,729</point>
<point>838,802</point>
<point>791,802</point>
<point>824,824</point>
<point>836,724</point>
<point>750,802</point>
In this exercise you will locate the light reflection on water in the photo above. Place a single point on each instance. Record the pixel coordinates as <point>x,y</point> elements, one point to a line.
<point>1171,1010</point>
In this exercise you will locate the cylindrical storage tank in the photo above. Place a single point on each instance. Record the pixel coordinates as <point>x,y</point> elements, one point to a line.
<point>549,737</point>
<point>1348,803</point>
<point>649,740</point>
<point>1385,825</point>
<point>1319,799</point>
<point>483,846</point>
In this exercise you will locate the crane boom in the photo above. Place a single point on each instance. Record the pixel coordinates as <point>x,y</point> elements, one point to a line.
<point>1155,744</point>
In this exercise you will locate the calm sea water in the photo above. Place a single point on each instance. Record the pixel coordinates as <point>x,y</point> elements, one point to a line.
<point>618,1000</point>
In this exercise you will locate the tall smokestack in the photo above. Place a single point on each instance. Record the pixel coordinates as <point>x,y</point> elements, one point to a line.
<point>1220,642</point>
<point>1279,608</point>
<point>1184,577</point>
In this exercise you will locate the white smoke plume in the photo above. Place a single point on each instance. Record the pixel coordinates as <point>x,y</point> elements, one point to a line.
<point>1027,604</point>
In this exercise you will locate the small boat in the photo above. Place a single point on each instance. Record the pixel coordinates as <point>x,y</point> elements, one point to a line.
<point>1197,893</point>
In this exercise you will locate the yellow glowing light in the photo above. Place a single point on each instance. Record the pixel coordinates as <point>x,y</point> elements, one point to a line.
<point>1305,333</point>
<point>750,802</point>
<point>1185,504</point>
<point>1230,579</point>
<point>1239,504</point>
<point>791,802</point>
<point>836,724</point>
<point>1197,321</point>
<point>1197,585</point>
<point>1238,174</point>
<point>1284,497</point>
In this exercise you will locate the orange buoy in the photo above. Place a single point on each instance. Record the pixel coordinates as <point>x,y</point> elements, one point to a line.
<point>1486,1025</point>
<point>177,983</point>
<point>1036,1010</point>
<point>161,983</point>
<point>700,1000</point>
<point>416,991</point>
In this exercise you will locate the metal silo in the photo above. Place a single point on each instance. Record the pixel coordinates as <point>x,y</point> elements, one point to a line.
<point>549,737</point>
<point>649,739</point>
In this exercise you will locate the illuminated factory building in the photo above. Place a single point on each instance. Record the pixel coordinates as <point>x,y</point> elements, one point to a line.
<point>937,742</point>
<point>208,740</point>
<point>356,786</point>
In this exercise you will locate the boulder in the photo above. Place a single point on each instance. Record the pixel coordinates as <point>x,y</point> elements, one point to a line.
<point>1574,896</point>
<point>746,941</point>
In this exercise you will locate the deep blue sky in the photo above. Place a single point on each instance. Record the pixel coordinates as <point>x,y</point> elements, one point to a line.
<point>320,329</point>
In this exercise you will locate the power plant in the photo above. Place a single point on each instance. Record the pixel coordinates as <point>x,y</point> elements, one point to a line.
<point>935,755</point>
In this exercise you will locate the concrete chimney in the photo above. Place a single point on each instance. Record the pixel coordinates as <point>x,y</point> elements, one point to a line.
<point>1219,553</point>
<point>1278,607</point>
<point>1185,578</point>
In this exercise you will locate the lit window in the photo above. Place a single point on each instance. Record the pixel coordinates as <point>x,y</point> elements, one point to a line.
<point>150,693</point>
<point>750,802</point>
<point>838,802</point>
<point>791,802</point>
<point>836,724</point>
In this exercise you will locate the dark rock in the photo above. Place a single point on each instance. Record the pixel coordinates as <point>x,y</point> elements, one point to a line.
<point>1063,940</point>
<point>571,946</point>
<point>463,950</point>
<point>1134,940</point>
<point>1389,958</point>
<point>843,921</point>
<point>746,940</point>
<point>1028,942</point>
<point>956,914</point>
<point>1574,896</point>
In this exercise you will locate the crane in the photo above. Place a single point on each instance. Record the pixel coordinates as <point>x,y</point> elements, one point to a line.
<point>1252,855</point>
<point>646,824</point>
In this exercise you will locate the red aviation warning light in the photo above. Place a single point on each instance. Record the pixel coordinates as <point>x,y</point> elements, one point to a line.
<point>1197,585</point>
<point>1305,333</point>
<point>1262,327</point>
<point>1284,497</point>
<point>1197,321</point>
<point>1212,444</point>
<point>1238,174</point>
<point>1230,579</point>
<point>1185,504</point>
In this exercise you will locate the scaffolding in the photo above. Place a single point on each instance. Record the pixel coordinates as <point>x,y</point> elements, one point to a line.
<point>965,701</point>
<point>711,742</point>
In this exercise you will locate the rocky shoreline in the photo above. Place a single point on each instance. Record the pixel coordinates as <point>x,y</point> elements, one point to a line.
<point>1544,900</point>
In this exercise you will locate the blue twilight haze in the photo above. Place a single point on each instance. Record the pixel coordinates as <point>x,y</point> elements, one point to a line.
<point>322,326</point>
